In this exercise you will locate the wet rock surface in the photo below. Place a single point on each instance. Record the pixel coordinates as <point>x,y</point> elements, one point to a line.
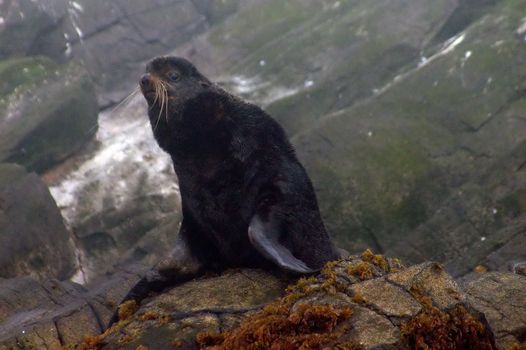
<point>202,305</point>
<point>132,31</point>
<point>47,111</point>
<point>122,201</point>
<point>32,28</point>
<point>365,302</point>
<point>33,238</point>
<point>51,314</point>
<point>114,38</point>
<point>502,298</point>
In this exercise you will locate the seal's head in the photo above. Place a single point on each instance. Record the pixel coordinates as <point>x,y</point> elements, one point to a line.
<point>184,107</point>
<point>168,84</point>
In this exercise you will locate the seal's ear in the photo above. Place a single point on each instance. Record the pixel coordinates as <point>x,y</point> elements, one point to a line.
<point>264,237</point>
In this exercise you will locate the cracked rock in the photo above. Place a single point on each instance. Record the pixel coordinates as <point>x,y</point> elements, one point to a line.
<point>375,310</point>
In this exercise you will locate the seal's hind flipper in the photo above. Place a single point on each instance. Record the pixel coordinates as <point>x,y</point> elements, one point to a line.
<point>264,237</point>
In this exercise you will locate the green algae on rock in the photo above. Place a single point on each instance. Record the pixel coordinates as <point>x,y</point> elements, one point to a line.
<point>48,111</point>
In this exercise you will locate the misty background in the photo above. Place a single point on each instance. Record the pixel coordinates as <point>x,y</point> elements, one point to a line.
<point>410,117</point>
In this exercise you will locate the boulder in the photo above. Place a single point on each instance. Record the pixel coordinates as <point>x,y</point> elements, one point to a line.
<point>140,239</point>
<point>32,28</point>
<point>33,238</point>
<point>47,111</point>
<point>366,302</point>
<point>363,302</point>
<point>51,314</point>
<point>502,298</point>
<point>133,32</point>
<point>123,200</point>
<point>511,255</point>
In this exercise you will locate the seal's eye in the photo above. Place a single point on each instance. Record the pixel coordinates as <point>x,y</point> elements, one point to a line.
<point>173,76</point>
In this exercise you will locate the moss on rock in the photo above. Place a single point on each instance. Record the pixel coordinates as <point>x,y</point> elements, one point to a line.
<point>49,111</point>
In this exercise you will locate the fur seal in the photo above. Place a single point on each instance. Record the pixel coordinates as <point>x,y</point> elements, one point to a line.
<point>246,199</point>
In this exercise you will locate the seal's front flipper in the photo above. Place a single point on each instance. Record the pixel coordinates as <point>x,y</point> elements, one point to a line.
<point>264,236</point>
<point>152,282</point>
<point>179,267</point>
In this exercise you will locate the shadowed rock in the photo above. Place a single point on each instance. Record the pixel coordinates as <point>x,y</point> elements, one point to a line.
<point>47,111</point>
<point>51,314</point>
<point>502,298</point>
<point>33,238</point>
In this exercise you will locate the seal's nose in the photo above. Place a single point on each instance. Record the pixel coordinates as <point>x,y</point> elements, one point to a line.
<point>145,81</point>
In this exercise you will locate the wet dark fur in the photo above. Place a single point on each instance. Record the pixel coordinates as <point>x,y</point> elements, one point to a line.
<point>233,162</point>
<point>232,158</point>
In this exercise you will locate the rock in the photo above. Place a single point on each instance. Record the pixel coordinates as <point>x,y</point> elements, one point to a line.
<point>142,239</point>
<point>204,304</point>
<point>133,31</point>
<point>33,240</point>
<point>502,298</point>
<point>216,11</point>
<point>87,30</point>
<point>402,180</point>
<point>511,254</point>
<point>502,251</point>
<point>32,28</point>
<point>366,302</point>
<point>124,29</point>
<point>123,200</point>
<point>51,314</point>
<point>47,111</point>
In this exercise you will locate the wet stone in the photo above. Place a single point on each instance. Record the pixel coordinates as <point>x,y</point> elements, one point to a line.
<point>390,299</point>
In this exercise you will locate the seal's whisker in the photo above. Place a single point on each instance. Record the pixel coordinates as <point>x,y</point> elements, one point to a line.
<point>164,103</point>
<point>93,129</point>
<point>166,107</point>
<point>156,123</point>
<point>159,92</point>
<point>126,99</point>
<point>162,85</point>
<point>165,97</point>
<point>156,86</point>
<point>161,95</point>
